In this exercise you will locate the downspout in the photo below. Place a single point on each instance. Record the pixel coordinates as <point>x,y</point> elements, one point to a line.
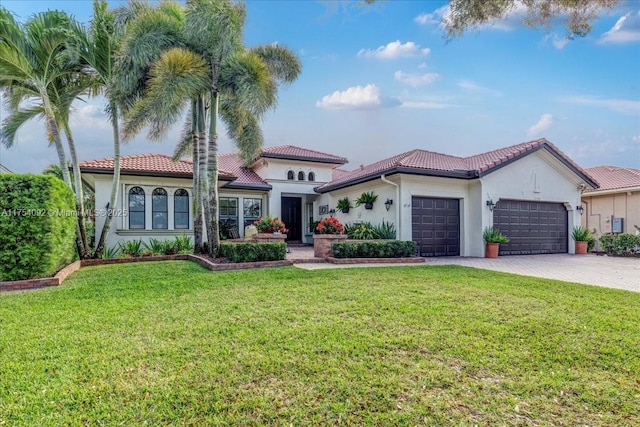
<point>386,181</point>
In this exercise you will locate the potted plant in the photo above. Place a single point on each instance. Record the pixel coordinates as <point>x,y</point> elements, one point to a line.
<point>493,237</point>
<point>582,237</point>
<point>344,205</point>
<point>367,199</point>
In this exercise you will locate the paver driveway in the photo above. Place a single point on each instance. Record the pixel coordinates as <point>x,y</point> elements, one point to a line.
<point>610,272</point>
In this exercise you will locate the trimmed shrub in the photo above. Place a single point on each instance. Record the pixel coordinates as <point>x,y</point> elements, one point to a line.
<point>620,244</point>
<point>374,249</point>
<point>252,252</point>
<point>37,226</point>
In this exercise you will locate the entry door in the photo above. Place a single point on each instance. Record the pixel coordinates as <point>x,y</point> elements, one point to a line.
<point>292,217</point>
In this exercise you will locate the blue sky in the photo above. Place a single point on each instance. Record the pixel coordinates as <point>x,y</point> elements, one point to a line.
<point>378,80</point>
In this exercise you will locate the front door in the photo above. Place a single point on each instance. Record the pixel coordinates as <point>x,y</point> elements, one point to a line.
<point>292,217</point>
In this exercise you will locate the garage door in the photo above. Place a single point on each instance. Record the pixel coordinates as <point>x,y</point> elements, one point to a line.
<point>532,227</point>
<point>435,225</point>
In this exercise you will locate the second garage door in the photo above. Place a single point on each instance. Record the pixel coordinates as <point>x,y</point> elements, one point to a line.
<point>435,226</point>
<point>532,227</point>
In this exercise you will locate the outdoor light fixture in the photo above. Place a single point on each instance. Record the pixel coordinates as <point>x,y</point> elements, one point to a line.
<point>580,209</point>
<point>491,205</point>
<point>388,204</point>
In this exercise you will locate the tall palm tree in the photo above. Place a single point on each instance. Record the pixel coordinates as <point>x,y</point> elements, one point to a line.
<point>34,69</point>
<point>208,63</point>
<point>96,49</point>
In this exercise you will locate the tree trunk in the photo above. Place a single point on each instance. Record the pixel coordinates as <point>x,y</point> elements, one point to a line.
<point>115,183</point>
<point>77,183</point>
<point>203,183</point>
<point>197,196</point>
<point>55,134</point>
<point>212,174</point>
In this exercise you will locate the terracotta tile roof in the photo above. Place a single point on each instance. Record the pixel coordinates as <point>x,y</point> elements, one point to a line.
<point>297,153</point>
<point>245,177</point>
<point>614,177</point>
<point>148,164</point>
<point>437,164</point>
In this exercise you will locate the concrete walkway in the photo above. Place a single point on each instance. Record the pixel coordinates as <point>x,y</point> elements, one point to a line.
<point>605,271</point>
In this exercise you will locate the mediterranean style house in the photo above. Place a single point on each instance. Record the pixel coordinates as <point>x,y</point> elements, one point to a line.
<point>531,191</point>
<point>614,207</point>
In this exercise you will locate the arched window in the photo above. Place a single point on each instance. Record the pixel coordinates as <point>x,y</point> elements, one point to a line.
<point>181,209</point>
<point>311,176</point>
<point>159,214</point>
<point>290,175</point>
<point>300,176</point>
<point>136,208</point>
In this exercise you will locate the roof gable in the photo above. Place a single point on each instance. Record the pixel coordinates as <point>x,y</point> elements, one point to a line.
<point>291,152</point>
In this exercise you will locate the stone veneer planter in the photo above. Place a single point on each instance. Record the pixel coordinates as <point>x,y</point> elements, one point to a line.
<point>322,244</point>
<point>269,237</point>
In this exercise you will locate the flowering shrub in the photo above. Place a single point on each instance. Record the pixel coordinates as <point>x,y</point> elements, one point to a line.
<point>330,225</point>
<point>270,225</point>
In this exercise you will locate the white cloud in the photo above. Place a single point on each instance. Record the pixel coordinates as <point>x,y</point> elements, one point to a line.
<point>624,106</point>
<point>543,124</point>
<point>625,30</point>
<point>557,41</point>
<point>395,50</point>
<point>415,80</point>
<point>472,86</point>
<point>433,18</point>
<point>356,97</point>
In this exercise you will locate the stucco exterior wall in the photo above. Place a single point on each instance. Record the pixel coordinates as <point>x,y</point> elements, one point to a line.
<point>536,177</point>
<point>276,169</point>
<point>598,210</point>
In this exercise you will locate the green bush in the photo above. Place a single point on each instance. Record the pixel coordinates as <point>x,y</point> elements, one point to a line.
<point>37,226</point>
<point>367,231</point>
<point>620,244</point>
<point>373,249</point>
<point>251,252</point>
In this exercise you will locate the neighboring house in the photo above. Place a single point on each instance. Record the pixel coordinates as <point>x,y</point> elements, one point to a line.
<point>529,190</point>
<point>3,169</point>
<point>615,205</point>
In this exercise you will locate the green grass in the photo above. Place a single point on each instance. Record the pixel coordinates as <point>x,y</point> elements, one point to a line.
<point>173,344</point>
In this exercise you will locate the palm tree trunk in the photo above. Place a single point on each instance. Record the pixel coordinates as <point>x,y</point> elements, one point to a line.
<point>77,183</point>
<point>203,183</point>
<point>197,200</point>
<point>212,173</point>
<point>55,134</point>
<point>115,183</point>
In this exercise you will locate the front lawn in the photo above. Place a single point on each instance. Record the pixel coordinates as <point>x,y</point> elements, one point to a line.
<point>174,344</point>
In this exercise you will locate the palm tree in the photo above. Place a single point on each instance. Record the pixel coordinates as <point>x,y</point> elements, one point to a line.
<point>96,49</point>
<point>34,69</point>
<point>207,63</point>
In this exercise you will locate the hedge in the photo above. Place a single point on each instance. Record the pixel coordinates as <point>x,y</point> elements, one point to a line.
<point>37,226</point>
<point>252,252</point>
<point>374,249</point>
<point>620,244</point>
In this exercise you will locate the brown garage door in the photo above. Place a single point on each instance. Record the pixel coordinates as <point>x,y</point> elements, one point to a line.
<point>435,225</point>
<point>532,227</point>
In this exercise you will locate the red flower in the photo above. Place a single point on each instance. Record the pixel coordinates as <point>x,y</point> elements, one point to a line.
<point>330,225</point>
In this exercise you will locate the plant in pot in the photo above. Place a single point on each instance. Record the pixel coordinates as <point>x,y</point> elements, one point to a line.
<point>367,199</point>
<point>582,237</point>
<point>344,205</point>
<point>270,225</point>
<point>493,237</point>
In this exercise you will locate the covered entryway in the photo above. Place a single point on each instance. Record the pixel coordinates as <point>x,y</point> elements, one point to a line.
<point>435,226</point>
<point>292,217</point>
<point>532,227</point>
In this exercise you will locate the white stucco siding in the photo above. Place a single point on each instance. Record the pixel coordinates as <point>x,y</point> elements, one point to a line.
<point>376,215</point>
<point>277,169</point>
<point>536,177</point>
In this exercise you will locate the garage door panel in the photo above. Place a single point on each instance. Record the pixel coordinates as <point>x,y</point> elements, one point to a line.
<point>532,227</point>
<point>436,226</point>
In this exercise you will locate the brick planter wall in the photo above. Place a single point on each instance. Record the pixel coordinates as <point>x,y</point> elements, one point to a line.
<point>322,244</point>
<point>269,237</point>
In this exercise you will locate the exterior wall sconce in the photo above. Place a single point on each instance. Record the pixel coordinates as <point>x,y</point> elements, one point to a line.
<point>580,209</point>
<point>491,205</point>
<point>388,204</point>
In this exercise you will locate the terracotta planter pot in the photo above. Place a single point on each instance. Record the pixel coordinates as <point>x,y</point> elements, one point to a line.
<point>491,250</point>
<point>581,248</point>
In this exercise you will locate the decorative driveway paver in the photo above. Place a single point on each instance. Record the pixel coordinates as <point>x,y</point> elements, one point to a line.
<point>605,271</point>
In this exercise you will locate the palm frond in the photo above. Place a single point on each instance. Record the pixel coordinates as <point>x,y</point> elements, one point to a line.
<point>14,121</point>
<point>283,64</point>
<point>246,77</point>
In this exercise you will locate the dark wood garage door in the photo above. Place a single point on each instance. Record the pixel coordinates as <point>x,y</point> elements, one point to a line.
<point>435,225</point>
<point>532,227</point>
